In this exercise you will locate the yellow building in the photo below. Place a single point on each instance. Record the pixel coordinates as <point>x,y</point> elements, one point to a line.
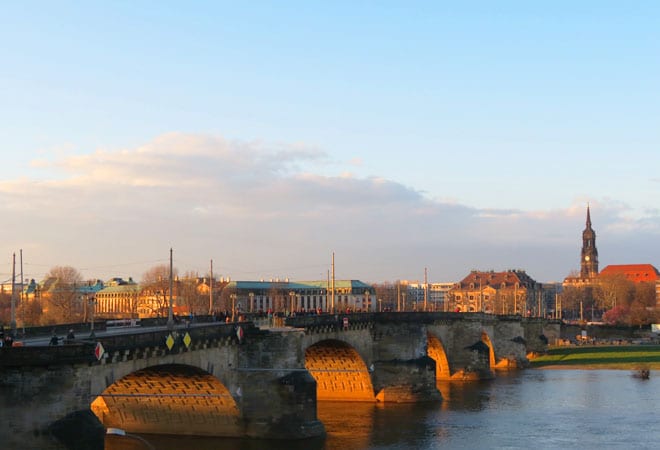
<point>509,292</point>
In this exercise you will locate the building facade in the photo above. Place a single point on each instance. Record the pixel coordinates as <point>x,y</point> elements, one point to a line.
<point>508,292</point>
<point>303,296</point>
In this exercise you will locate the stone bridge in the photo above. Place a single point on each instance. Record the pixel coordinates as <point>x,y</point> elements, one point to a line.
<point>239,380</point>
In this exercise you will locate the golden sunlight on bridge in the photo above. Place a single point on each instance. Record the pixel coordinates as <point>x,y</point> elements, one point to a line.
<point>169,399</point>
<point>339,371</point>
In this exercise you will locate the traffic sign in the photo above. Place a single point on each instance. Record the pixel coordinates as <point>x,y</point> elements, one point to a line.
<point>99,351</point>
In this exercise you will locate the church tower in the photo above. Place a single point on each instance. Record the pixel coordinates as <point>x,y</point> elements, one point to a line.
<point>589,257</point>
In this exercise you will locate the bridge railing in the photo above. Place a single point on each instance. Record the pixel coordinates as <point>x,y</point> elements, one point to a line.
<point>82,350</point>
<point>390,316</point>
<point>157,338</point>
<point>44,356</point>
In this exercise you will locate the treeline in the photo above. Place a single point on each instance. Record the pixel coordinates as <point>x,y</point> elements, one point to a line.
<point>614,300</point>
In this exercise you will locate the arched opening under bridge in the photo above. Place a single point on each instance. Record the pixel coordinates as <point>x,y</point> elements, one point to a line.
<point>436,351</point>
<point>169,399</point>
<point>340,373</point>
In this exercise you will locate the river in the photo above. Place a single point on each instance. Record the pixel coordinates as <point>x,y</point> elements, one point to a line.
<point>542,409</point>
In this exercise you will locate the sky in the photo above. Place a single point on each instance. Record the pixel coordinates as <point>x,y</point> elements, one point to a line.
<point>266,136</point>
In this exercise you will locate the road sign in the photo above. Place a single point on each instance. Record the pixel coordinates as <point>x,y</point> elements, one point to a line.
<point>169,341</point>
<point>99,351</point>
<point>187,340</point>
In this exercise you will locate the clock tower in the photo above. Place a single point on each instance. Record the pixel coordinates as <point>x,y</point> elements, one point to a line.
<point>589,256</point>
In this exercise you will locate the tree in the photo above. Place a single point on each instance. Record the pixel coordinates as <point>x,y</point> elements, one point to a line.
<point>226,299</point>
<point>572,299</point>
<point>155,289</point>
<point>191,294</point>
<point>61,302</point>
<point>5,308</point>
<point>614,290</point>
<point>617,315</point>
<point>645,294</point>
<point>386,293</point>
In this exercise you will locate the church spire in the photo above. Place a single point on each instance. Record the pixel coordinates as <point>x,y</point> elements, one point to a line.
<point>589,254</point>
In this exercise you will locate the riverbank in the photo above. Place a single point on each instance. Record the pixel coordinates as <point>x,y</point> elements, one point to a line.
<point>628,357</point>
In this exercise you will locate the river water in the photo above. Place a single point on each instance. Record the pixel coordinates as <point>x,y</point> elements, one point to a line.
<point>542,409</point>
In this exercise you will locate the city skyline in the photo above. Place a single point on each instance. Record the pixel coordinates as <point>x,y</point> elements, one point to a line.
<point>400,137</point>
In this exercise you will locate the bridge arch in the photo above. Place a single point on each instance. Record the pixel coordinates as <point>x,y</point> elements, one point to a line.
<point>491,352</point>
<point>340,372</point>
<point>436,351</point>
<point>171,399</point>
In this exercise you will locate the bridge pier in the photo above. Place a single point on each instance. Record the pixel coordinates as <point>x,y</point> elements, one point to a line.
<point>410,381</point>
<point>38,403</point>
<point>277,406</point>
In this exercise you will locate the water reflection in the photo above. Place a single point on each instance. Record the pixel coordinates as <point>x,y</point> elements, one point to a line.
<point>156,442</point>
<point>553,409</point>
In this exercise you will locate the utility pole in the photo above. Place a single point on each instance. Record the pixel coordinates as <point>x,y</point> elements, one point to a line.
<point>170,316</point>
<point>333,283</point>
<point>22,300</point>
<point>426,288</point>
<point>211,290</point>
<point>13,296</point>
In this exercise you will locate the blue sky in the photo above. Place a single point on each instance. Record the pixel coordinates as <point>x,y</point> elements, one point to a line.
<point>266,135</point>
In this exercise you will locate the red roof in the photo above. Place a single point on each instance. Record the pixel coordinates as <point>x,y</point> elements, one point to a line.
<point>633,272</point>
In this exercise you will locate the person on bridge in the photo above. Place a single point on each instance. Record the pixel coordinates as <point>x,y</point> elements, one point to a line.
<point>54,339</point>
<point>71,335</point>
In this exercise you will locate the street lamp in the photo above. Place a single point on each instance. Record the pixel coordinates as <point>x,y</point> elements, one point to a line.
<point>233,306</point>
<point>92,307</point>
<point>170,315</point>
<point>291,297</point>
<point>380,305</point>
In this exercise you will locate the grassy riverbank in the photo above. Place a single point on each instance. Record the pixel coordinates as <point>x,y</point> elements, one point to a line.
<point>629,357</point>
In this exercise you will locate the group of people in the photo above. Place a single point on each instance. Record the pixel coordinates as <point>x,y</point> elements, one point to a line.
<point>54,339</point>
<point>6,341</point>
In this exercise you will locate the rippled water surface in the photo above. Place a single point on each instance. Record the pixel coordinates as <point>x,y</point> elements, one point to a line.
<point>545,409</point>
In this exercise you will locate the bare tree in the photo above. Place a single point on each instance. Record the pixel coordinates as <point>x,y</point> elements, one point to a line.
<point>155,289</point>
<point>613,290</point>
<point>191,294</point>
<point>62,303</point>
<point>645,294</point>
<point>572,299</point>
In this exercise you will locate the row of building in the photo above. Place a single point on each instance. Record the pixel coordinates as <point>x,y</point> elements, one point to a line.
<point>504,292</point>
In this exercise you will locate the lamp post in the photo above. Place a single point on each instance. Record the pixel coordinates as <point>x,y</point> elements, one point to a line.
<point>92,307</point>
<point>380,305</point>
<point>581,315</point>
<point>170,315</point>
<point>233,306</point>
<point>13,296</point>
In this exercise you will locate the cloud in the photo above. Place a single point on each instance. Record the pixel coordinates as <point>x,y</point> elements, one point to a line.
<point>252,208</point>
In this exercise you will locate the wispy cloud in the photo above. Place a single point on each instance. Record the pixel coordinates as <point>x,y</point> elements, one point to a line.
<point>252,206</point>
